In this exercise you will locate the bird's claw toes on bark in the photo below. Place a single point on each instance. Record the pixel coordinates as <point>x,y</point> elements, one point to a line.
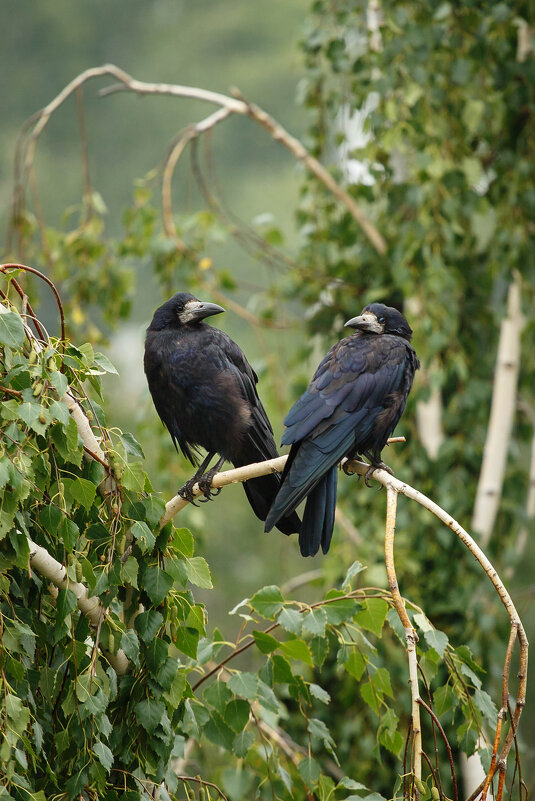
<point>186,491</point>
<point>205,485</point>
<point>371,470</point>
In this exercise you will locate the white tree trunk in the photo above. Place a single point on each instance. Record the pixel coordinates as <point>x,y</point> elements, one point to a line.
<point>504,396</point>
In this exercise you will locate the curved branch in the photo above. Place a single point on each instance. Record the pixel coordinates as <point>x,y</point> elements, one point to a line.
<point>230,105</point>
<point>382,477</point>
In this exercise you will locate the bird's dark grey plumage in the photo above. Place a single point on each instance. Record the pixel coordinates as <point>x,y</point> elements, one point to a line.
<point>204,390</point>
<point>350,408</point>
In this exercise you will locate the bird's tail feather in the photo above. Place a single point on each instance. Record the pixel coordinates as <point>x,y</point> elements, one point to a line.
<point>318,519</point>
<point>261,492</point>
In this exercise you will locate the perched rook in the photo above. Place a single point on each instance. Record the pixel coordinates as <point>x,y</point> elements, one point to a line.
<point>204,390</point>
<point>350,408</point>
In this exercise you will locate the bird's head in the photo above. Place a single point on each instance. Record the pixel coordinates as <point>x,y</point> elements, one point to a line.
<point>376,318</point>
<point>183,309</point>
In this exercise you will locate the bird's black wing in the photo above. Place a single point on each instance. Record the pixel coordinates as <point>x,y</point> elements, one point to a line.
<point>257,443</point>
<point>337,413</point>
<point>233,361</point>
<point>165,357</point>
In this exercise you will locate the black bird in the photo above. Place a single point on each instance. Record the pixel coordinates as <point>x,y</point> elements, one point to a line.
<point>204,390</point>
<point>350,408</point>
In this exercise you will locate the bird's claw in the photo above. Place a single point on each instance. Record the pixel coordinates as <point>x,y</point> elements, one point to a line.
<point>372,468</point>
<point>186,491</point>
<point>205,485</point>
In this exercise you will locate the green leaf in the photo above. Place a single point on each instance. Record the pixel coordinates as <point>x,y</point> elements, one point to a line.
<point>68,532</point>
<point>315,621</point>
<point>133,477</point>
<point>11,330</point>
<point>373,616</point>
<point>130,645</point>
<point>246,685</point>
<point>381,682</point>
<point>339,610</point>
<point>242,743</point>
<point>157,584</point>
<point>66,603</point>
<point>353,570</point>
<point>154,508</point>
<point>49,517</point>
<point>218,695</point>
<point>309,771</point>
<point>187,640</point>
<point>132,446</point>
<point>436,640</point>
<point>317,728</point>
<point>370,696</point>
<point>350,784</point>
<point>265,642</point>
<point>444,699</point>
<point>355,664</point>
<point>58,411</point>
<point>108,367</point>
<point>129,572</point>
<point>267,601</point>
<point>30,413</point>
<point>60,384</point>
<point>149,713</point>
<point>318,692</point>
<point>183,541</point>
<point>297,649</point>
<point>291,620</point>
<point>219,732</point>
<point>236,714</point>
<point>103,754</point>
<point>17,714</point>
<point>143,536</point>
<point>282,672</point>
<point>198,572</point>
<point>83,491</point>
<point>147,624</point>
<point>485,704</point>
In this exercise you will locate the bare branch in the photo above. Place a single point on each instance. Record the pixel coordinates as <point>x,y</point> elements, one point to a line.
<point>228,105</point>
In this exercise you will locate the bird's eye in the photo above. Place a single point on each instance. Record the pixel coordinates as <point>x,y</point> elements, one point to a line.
<point>381,319</point>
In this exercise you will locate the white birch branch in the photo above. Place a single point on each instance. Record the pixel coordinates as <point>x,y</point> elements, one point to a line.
<point>503,406</point>
<point>54,571</point>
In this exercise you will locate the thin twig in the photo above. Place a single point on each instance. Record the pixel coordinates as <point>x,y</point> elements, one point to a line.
<point>14,266</point>
<point>446,743</point>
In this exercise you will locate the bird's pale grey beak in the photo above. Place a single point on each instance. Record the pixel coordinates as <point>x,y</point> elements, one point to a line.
<point>198,309</point>
<point>365,322</point>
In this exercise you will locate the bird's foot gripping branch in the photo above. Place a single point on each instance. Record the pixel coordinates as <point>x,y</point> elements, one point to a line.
<point>115,677</point>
